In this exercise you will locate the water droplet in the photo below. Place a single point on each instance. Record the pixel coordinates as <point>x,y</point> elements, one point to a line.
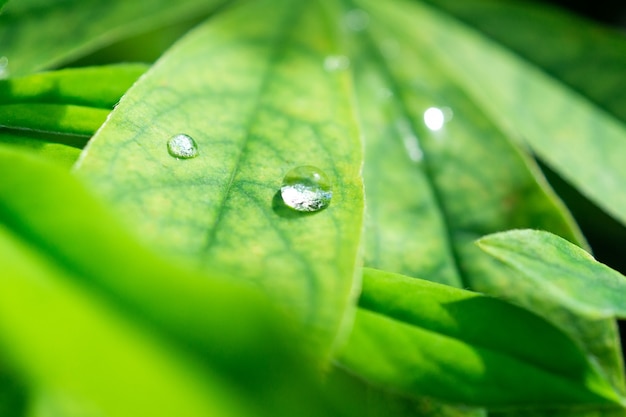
<point>182,146</point>
<point>4,67</point>
<point>410,140</point>
<point>435,117</point>
<point>306,189</point>
<point>336,63</point>
<point>356,20</point>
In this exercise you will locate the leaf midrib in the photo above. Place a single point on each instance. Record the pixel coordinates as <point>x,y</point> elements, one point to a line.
<point>280,40</point>
<point>401,106</point>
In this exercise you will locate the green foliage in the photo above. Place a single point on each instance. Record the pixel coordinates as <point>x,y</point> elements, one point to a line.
<point>143,284</point>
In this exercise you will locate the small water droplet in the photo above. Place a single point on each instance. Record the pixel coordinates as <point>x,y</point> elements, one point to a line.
<point>182,146</point>
<point>336,63</point>
<point>306,188</point>
<point>435,117</point>
<point>4,67</point>
<point>357,20</point>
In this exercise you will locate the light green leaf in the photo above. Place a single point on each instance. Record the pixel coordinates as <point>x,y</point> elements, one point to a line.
<point>98,87</point>
<point>230,326</point>
<point>562,271</point>
<point>116,368</point>
<point>69,105</point>
<point>61,149</point>
<point>53,118</point>
<point>32,39</point>
<point>471,180</point>
<point>580,141</point>
<point>240,86</point>
<point>423,338</point>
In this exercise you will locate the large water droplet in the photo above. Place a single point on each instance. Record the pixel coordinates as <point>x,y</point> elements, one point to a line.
<point>336,63</point>
<point>306,189</point>
<point>182,146</point>
<point>356,20</point>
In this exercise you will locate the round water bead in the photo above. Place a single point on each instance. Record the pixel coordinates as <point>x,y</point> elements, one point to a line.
<point>306,188</point>
<point>182,146</point>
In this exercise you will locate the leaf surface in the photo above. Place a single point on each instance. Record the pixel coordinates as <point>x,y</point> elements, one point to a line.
<point>468,178</point>
<point>576,138</point>
<point>32,40</point>
<point>257,349</point>
<point>562,270</point>
<point>424,338</point>
<point>240,87</point>
<point>54,113</point>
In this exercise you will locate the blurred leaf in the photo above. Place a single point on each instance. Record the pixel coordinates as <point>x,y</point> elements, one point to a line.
<point>429,187</point>
<point>571,49</point>
<point>255,348</point>
<point>99,87</point>
<point>469,171</point>
<point>61,149</point>
<point>376,401</point>
<point>579,140</point>
<point>245,97</point>
<point>77,346</point>
<point>562,271</point>
<point>32,40</point>
<point>423,338</point>
<point>54,113</point>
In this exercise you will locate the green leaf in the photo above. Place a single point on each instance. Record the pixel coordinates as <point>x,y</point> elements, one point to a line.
<point>58,148</point>
<point>54,113</point>
<point>32,39</point>
<point>567,47</point>
<point>98,87</point>
<point>56,333</point>
<point>562,271</point>
<point>471,180</point>
<point>441,185</point>
<point>255,348</point>
<point>240,86</point>
<point>580,141</point>
<point>423,338</point>
<point>375,401</point>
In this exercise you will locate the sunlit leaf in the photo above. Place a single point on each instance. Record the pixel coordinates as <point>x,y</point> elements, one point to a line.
<point>240,87</point>
<point>562,271</point>
<point>423,338</point>
<point>471,181</point>
<point>579,140</point>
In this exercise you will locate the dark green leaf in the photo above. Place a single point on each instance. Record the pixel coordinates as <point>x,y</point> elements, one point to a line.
<point>37,34</point>
<point>471,181</point>
<point>424,338</point>
<point>579,140</point>
<point>241,87</point>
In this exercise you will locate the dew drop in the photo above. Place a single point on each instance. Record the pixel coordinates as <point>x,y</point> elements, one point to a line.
<point>4,67</point>
<point>336,63</point>
<point>182,146</point>
<point>307,189</point>
<point>356,20</point>
<point>434,118</point>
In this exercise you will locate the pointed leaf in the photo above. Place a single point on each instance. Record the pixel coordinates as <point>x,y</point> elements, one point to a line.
<point>32,38</point>
<point>243,94</point>
<point>70,105</point>
<point>580,141</point>
<point>471,181</point>
<point>424,338</point>
<point>564,271</point>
